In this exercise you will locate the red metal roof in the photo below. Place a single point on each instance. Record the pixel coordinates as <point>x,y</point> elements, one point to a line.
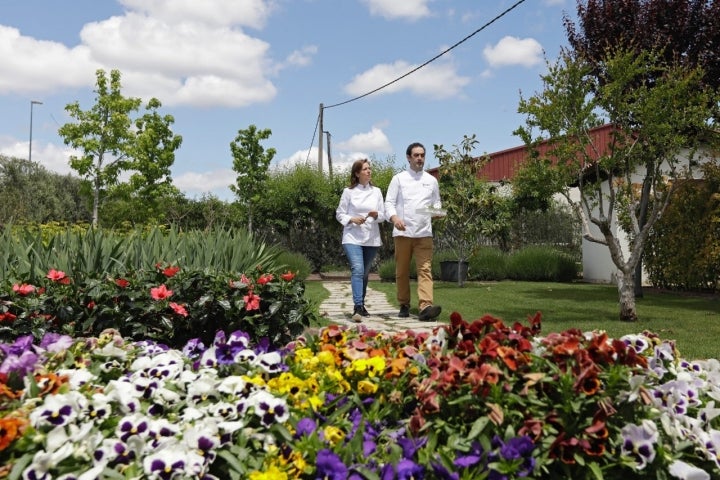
<point>504,164</point>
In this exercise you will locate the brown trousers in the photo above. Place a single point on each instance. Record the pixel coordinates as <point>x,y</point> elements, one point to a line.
<point>422,250</point>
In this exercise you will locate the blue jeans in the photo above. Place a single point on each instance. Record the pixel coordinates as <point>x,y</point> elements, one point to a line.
<point>361,259</point>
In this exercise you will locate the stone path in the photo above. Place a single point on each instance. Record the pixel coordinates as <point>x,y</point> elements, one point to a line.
<point>383,316</point>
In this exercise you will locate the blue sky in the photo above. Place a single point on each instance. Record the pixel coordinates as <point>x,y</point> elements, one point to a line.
<point>219,66</point>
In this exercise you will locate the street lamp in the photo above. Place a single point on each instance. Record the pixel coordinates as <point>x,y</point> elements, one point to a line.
<point>32,103</point>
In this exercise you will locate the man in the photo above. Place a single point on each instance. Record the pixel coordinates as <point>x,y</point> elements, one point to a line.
<point>411,195</point>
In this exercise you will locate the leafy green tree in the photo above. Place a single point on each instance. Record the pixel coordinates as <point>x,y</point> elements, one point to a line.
<point>297,211</point>
<point>653,124</point>
<point>31,193</point>
<point>474,207</point>
<point>681,32</point>
<point>103,136</point>
<point>251,162</point>
<point>141,199</point>
<point>111,142</point>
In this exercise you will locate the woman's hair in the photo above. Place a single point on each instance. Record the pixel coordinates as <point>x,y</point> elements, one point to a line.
<point>355,170</point>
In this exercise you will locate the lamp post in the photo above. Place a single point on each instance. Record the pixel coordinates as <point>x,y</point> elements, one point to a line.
<point>32,103</point>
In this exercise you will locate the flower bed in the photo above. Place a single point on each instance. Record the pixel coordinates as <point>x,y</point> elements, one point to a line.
<point>470,401</point>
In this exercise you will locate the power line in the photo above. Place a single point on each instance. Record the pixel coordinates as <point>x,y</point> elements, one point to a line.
<point>498,17</point>
<point>432,59</point>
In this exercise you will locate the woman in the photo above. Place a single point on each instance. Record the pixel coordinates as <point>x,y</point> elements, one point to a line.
<point>360,211</point>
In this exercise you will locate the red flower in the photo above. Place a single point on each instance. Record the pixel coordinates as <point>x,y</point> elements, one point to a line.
<point>23,289</point>
<point>58,276</point>
<point>171,271</point>
<point>179,309</point>
<point>160,293</point>
<point>122,283</point>
<point>265,278</point>
<point>7,317</point>
<point>252,302</point>
<point>287,276</point>
<point>91,305</point>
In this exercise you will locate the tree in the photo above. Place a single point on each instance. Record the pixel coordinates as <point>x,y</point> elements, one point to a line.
<point>682,32</point>
<point>31,193</point>
<point>654,122</point>
<point>111,142</point>
<point>103,136</point>
<point>150,157</point>
<point>474,207</point>
<point>251,162</point>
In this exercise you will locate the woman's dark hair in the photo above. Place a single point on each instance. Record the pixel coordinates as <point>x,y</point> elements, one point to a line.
<point>355,170</point>
<point>408,151</point>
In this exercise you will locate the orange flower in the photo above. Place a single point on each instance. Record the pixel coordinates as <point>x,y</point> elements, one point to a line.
<point>50,383</point>
<point>266,278</point>
<point>287,276</point>
<point>10,429</point>
<point>160,293</point>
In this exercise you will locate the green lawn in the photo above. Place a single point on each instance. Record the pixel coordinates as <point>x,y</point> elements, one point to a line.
<point>692,321</point>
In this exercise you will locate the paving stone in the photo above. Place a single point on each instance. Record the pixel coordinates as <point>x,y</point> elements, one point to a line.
<point>338,307</point>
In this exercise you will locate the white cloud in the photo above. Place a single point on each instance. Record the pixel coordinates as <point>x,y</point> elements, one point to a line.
<point>249,13</point>
<point>202,182</point>
<point>31,65</point>
<point>54,158</point>
<point>405,9</point>
<point>373,141</point>
<point>184,52</point>
<point>435,81</point>
<point>509,50</point>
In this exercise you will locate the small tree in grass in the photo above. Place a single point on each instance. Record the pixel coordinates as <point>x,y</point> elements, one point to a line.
<point>474,207</point>
<point>657,125</point>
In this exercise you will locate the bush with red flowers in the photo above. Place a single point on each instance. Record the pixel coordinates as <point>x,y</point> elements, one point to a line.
<point>168,304</point>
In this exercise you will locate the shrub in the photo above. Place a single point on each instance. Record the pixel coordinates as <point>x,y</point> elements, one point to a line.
<point>386,270</point>
<point>538,263</point>
<point>294,262</point>
<point>168,304</point>
<point>488,264</point>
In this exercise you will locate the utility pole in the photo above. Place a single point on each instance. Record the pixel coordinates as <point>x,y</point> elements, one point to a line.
<point>32,104</point>
<point>320,143</point>
<point>329,156</point>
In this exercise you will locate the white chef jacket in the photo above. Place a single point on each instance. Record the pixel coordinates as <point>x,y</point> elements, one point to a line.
<point>357,202</point>
<point>408,191</point>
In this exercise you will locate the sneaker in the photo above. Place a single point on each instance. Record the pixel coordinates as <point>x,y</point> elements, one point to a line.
<point>363,311</point>
<point>404,311</point>
<point>357,314</point>
<point>429,313</point>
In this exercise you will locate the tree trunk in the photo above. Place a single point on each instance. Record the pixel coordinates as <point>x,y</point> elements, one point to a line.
<point>626,289</point>
<point>460,276</point>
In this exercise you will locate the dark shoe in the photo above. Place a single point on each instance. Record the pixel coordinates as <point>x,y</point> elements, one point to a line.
<point>404,311</point>
<point>357,314</point>
<point>429,313</point>
<point>363,311</point>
